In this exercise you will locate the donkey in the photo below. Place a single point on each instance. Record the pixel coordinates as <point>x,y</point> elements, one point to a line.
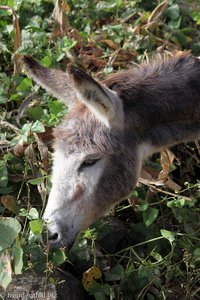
<point>111,127</point>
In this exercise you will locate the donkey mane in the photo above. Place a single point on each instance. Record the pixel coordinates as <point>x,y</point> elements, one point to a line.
<point>156,86</point>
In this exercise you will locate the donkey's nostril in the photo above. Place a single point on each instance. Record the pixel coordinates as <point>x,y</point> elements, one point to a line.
<point>53,236</point>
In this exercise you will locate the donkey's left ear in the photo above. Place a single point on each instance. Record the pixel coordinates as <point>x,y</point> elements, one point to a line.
<point>103,102</point>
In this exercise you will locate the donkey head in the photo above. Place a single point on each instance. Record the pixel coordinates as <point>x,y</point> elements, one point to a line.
<point>93,152</point>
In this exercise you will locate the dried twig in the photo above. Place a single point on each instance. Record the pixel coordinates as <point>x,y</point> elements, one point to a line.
<point>18,39</point>
<point>7,125</point>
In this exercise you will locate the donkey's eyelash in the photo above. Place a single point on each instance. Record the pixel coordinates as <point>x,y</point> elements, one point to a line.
<point>88,163</point>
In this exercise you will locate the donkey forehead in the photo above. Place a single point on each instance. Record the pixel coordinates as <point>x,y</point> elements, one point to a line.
<point>81,131</point>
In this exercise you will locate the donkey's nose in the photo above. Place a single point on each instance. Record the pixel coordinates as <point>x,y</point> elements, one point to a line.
<point>51,237</point>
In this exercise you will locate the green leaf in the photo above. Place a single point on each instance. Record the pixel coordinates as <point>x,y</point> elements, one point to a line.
<point>35,113</point>
<point>4,48</point>
<point>58,257</point>
<point>157,256</point>
<point>196,16</point>
<point>3,175</point>
<point>196,48</point>
<point>181,38</point>
<point>97,291</point>
<point>197,254</point>
<point>61,56</point>
<point>38,127</point>
<point>46,61</point>
<point>173,12</point>
<point>143,205</point>
<point>36,181</point>
<point>108,70</point>
<point>36,226</point>
<point>24,85</point>
<point>9,229</point>
<point>150,215</point>
<point>31,215</point>
<point>5,269</point>
<point>99,296</point>
<point>25,131</point>
<point>56,107</point>
<point>107,289</point>
<point>116,273</point>
<point>23,212</point>
<point>169,235</point>
<point>17,254</point>
<point>79,250</point>
<point>175,24</point>
<point>180,202</point>
<point>68,43</point>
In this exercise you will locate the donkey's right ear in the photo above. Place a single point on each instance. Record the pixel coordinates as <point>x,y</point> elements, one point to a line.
<point>103,102</point>
<point>53,81</point>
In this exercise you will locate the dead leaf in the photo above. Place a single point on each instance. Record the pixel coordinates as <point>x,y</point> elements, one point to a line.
<point>43,149</point>
<point>124,56</point>
<point>133,200</point>
<point>158,11</point>
<point>19,148</point>
<point>31,156</point>
<point>25,105</point>
<point>172,185</point>
<point>60,17</point>
<point>4,143</point>
<point>151,26</point>
<point>197,142</point>
<point>73,33</point>
<point>151,176</point>
<point>109,43</point>
<point>121,56</point>
<point>91,56</point>
<point>90,276</point>
<point>34,163</point>
<point>136,29</point>
<point>148,177</point>
<point>7,125</point>
<point>9,202</point>
<point>47,136</point>
<point>166,159</point>
<point>17,44</point>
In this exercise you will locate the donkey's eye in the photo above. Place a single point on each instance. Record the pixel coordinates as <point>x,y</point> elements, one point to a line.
<point>88,163</point>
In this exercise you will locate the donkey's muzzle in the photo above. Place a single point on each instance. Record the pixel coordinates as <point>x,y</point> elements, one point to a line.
<point>52,238</point>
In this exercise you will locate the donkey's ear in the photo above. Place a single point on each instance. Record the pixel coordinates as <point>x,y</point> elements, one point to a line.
<point>54,81</point>
<point>103,102</point>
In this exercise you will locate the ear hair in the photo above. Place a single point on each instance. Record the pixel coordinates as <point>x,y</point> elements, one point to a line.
<point>54,81</point>
<point>102,101</point>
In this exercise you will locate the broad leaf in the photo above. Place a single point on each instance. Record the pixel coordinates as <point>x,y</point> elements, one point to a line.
<point>36,226</point>
<point>9,229</point>
<point>5,269</point>
<point>169,235</point>
<point>17,254</point>
<point>150,215</point>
